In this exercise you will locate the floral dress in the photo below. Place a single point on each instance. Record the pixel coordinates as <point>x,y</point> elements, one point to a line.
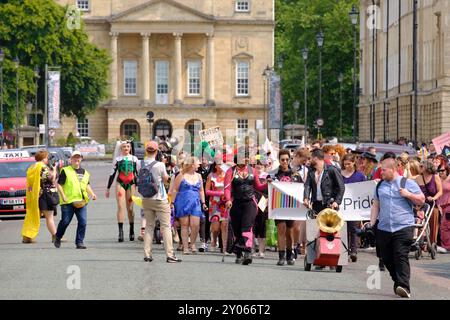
<point>217,208</point>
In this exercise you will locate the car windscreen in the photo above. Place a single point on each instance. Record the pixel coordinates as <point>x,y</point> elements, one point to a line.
<point>14,169</point>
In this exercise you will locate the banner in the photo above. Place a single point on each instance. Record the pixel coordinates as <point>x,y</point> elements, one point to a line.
<point>275,101</point>
<point>213,136</point>
<point>53,99</point>
<point>286,201</point>
<point>441,141</point>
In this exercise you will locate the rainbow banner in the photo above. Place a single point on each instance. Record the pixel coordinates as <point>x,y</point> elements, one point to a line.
<point>286,201</point>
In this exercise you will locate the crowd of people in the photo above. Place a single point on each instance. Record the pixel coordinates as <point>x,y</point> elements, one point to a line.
<point>215,197</point>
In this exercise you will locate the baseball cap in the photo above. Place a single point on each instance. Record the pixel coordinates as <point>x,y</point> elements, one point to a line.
<point>151,146</point>
<point>76,153</point>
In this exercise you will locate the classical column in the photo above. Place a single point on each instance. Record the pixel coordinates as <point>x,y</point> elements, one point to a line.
<point>145,67</point>
<point>114,65</point>
<point>210,69</point>
<point>178,91</point>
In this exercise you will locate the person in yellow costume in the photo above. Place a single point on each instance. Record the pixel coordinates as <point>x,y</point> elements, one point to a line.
<point>74,188</point>
<point>40,188</point>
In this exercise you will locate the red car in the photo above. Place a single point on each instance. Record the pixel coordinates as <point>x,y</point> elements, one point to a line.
<point>13,172</point>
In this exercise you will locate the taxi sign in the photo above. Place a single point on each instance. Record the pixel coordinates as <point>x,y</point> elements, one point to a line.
<point>14,154</point>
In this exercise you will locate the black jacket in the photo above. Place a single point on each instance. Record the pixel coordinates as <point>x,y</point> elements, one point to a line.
<point>332,185</point>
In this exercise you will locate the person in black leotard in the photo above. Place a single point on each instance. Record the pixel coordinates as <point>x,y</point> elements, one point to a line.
<point>125,166</point>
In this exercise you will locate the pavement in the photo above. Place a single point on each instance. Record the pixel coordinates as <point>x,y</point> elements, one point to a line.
<point>112,270</point>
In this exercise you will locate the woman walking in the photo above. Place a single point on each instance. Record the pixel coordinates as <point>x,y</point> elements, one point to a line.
<point>218,214</point>
<point>125,166</point>
<point>351,175</point>
<point>189,202</point>
<point>41,198</point>
<point>444,204</point>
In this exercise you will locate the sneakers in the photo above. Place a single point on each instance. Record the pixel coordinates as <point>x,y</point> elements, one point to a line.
<point>281,258</point>
<point>148,259</point>
<point>441,250</point>
<point>381,265</point>
<point>28,240</point>
<point>402,292</point>
<point>239,258</point>
<point>81,246</point>
<point>202,247</point>
<point>259,255</point>
<point>247,258</point>
<point>173,259</point>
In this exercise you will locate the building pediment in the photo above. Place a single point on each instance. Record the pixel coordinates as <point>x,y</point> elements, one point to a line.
<point>161,11</point>
<point>242,56</point>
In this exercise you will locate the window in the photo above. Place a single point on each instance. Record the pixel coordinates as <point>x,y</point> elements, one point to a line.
<point>162,128</point>
<point>242,6</point>
<point>242,70</point>
<point>242,128</point>
<point>83,127</point>
<point>130,129</point>
<point>129,73</point>
<point>162,82</point>
<point>194,78</point>
<point>83,5</point>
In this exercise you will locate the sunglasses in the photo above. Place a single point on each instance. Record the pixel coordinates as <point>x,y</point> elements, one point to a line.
<point>284,160</point>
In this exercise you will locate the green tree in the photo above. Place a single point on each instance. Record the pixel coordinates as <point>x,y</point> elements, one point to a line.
<point>297,24</point>
<point>38,33</point>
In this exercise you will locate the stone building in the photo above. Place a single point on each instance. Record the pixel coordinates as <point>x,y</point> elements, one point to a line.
<point>187,61</point>
<point>386,108</point>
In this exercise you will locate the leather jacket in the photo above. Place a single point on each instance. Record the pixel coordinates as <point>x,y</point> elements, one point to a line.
<point>332,185</point>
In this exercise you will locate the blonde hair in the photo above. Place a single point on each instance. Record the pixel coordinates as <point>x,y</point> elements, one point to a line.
<point>414,167</point>
<point>188,163</point>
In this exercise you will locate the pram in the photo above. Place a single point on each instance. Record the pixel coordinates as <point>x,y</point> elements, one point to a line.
<point>422,226</point>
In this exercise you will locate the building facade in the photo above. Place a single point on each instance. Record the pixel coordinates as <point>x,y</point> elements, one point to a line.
<point>386,106</point>
<point>193,63</point>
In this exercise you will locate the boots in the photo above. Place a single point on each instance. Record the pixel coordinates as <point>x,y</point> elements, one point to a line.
<point>381,265</point>
<point>282,258</point>
<point>247,258</point>
<point>289,258</point>
<point>131,231</point>
<point>120,232</point>
<point>239,258</point>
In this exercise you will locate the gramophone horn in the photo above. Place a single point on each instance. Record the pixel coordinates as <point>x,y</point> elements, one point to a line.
<point>330,221</point>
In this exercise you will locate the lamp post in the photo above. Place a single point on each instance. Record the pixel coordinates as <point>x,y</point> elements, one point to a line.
<point>354,19</point>
<point>16,64</point>
<point>305,58</point>
<point>296,107</point>
<point>266,75</point>
<point>320,38</point>
<point>340,79</point>
<point>2,56</point>
<point>36,76</point>
<point>280,68</point>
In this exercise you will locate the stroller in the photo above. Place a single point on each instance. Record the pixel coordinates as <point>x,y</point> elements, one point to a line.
<point>422,226</point>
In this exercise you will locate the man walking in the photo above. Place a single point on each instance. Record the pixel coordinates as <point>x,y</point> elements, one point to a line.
<point>393,207</point>
<point>74,188</point>
<point>156,205</point>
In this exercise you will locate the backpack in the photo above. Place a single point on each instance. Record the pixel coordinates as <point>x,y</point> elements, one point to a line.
<point>147,185</point>
<point>402,185</point>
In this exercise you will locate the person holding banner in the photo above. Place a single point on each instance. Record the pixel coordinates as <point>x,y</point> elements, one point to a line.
<point>351,175</point>
<point>285,227</point>
<point>240,185</point>
<point>324,186</point>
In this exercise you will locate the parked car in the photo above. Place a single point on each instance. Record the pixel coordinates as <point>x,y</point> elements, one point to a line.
<point>138,149</point>
<point>382,148</point>
<point>56,155</point>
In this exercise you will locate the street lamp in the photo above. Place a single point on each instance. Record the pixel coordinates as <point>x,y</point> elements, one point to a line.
<point>266,75</point>
<point>340,79</point>
<point>320,38</point>
<point>36,76</point>
<point>354,19</point>
<point>2,56</point>
<point>16,64</point>
<point>305,58</point>
<point>280,68</point>
<point>296,107</point>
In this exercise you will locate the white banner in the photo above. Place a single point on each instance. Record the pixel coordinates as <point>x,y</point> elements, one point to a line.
<point>53,99</point>
<point>286,201</point>
<point>213,136</point>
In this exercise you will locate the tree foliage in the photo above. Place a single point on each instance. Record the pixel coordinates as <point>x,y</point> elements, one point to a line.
<point>297,24</point>
<point>37,32</point>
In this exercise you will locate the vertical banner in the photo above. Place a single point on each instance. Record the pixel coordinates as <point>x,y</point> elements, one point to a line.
<point>275,101</point>
<point>53,98</point>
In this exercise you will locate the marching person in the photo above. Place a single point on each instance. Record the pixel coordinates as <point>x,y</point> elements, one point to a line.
<point>285,227</point>
<point>125,166</point>
<point>157,205</point>
<point>324,186</point>
<point>41,198</point>
<point>393,207</point>
<point>204,170</point>
<point>351,175</point>
<point>189,202</point>
<point>74,189</point>
<point>240,184</point>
